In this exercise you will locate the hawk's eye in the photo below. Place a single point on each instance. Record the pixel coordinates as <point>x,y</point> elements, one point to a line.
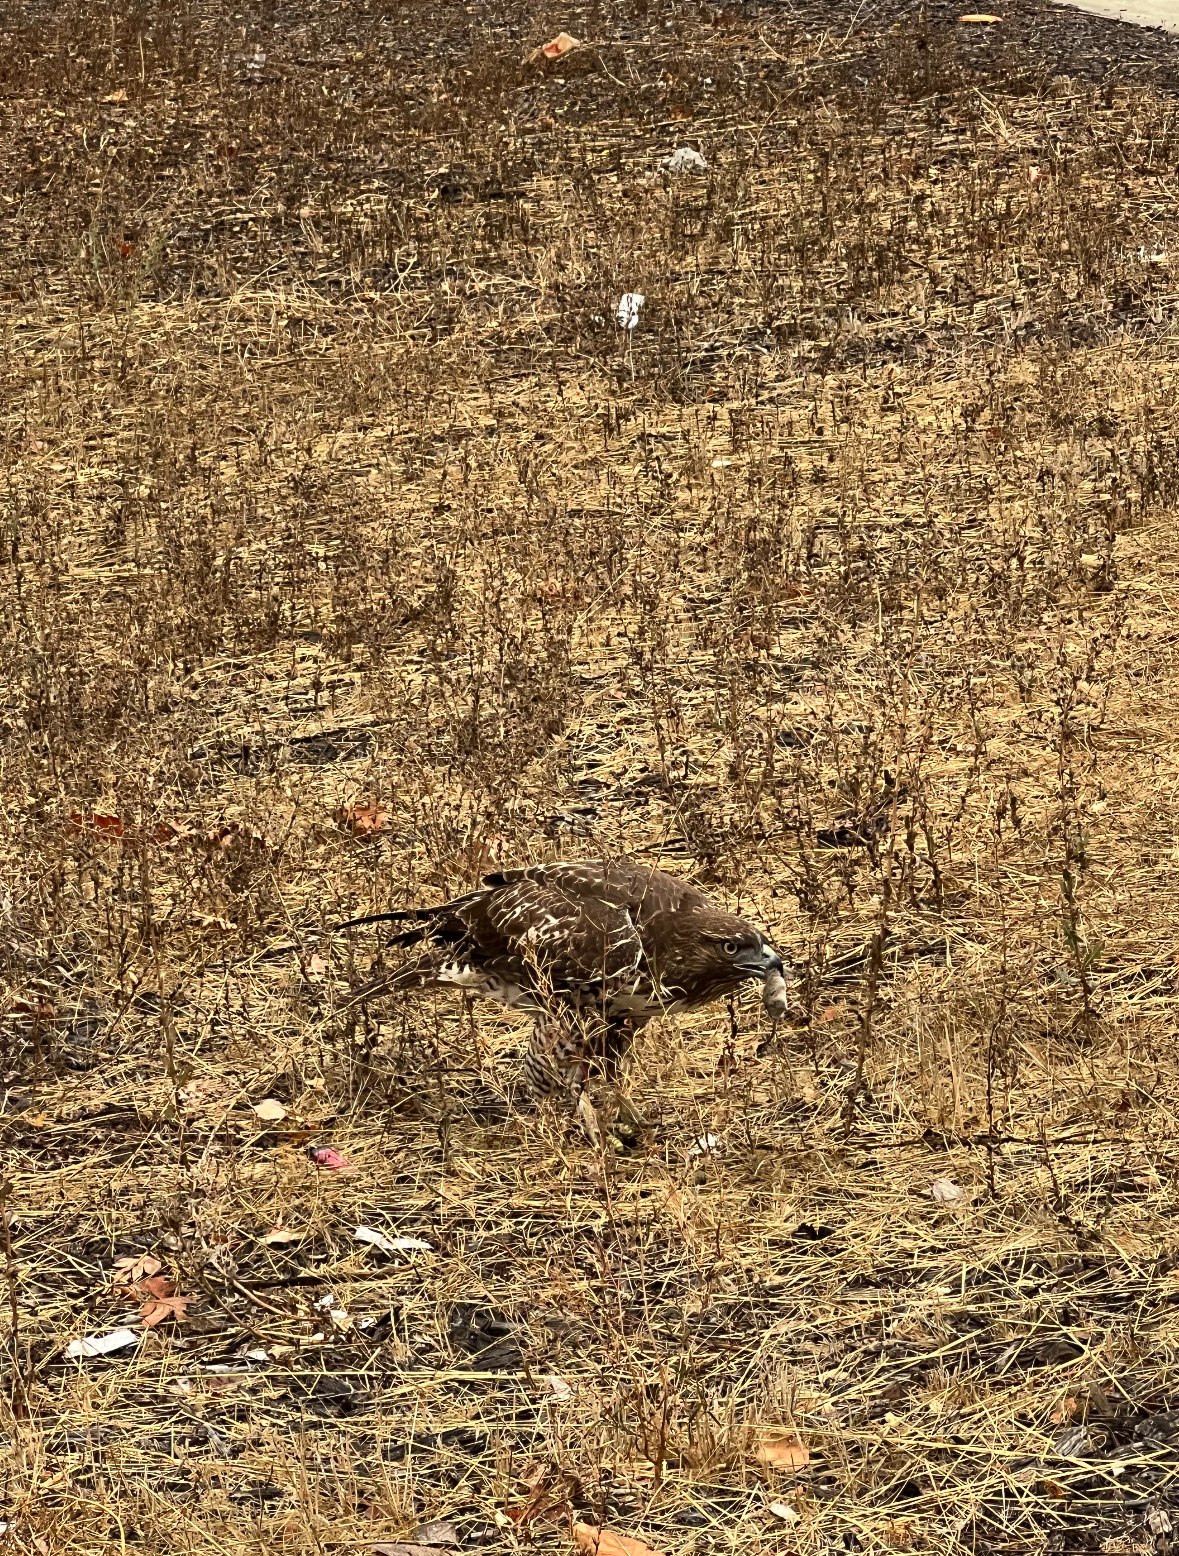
<point>731,947</point>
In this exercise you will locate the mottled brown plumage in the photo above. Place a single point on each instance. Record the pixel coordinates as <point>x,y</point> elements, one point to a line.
<point>593,950</point>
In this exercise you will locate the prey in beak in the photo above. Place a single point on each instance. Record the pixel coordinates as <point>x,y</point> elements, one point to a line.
<point>774,992</point>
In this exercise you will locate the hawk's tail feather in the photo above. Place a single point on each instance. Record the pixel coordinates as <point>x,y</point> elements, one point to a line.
<point>411,975</point>
<point>411,915</point>
<point>396,916</point>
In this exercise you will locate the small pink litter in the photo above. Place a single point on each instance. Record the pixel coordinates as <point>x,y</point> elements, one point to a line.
<point>324,1156</point>
<point>563,43</point>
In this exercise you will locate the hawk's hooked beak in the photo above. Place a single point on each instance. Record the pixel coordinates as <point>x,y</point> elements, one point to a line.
<point>760,963</point>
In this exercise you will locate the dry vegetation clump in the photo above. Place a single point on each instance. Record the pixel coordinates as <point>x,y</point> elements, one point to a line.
<point>351,549</point>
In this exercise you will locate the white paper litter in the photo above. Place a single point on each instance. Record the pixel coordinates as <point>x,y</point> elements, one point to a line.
<point>945,1191</point>
<point>368,1234</point>
<point>558,1386</point>
<point>685,159</point>
<point>784,1511</point>
<point>630,305</point>
<point>103,1344</point>
<point>707,1145</point>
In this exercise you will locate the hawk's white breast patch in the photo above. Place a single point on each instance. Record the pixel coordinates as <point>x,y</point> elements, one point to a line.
<point>483,985</point>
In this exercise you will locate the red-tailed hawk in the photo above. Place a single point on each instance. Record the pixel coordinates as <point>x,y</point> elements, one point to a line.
<point>592,950</point>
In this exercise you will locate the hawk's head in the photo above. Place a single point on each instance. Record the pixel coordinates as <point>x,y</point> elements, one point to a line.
<point>707,954</point>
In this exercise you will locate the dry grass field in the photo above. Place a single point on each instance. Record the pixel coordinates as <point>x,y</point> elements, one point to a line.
<point>351,549</point>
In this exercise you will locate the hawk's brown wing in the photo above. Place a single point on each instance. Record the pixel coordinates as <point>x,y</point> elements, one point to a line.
<point>642,892</point>
<point>565,931</point>
<point>568,926</point>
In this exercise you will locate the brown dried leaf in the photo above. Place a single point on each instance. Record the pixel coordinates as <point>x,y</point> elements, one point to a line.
<point>269,1110</point>
<point>134,1267</point>
<point>592,1541</point>
<point>157,1287</point>
<point>41,1008</point>
<point>782,1449</point>
<point>363,820</point>
<point>105,826</point>
<point>169,832</point>
<point>155,1311</point>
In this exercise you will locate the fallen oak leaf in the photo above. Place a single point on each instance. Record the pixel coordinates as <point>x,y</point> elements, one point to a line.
<point>547,1498</point>
<point>159,1308</point>
<point>132,1268</point>
<point>592,1541</point>
<point>156,1287</point>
